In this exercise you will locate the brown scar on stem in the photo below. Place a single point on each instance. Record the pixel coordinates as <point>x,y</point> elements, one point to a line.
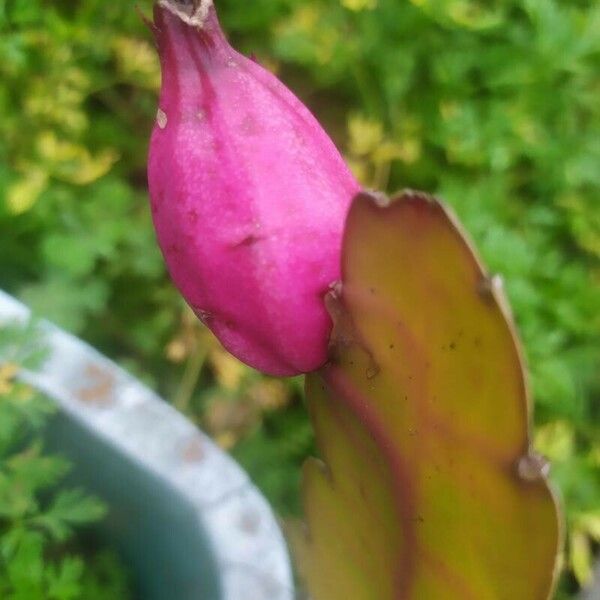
<point>380,199</point>
<point>344,333</point>
<point>533,467</point>
<point>489,286</point>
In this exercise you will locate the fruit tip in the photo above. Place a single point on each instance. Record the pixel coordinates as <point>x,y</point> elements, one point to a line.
<point>191,12</point>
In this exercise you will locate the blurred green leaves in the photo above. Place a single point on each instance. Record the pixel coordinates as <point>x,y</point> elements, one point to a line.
<point>77,100</point>
<point>39,516</point>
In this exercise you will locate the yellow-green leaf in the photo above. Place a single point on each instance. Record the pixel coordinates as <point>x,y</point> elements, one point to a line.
<point>580,557</point>
<point>428,487</point>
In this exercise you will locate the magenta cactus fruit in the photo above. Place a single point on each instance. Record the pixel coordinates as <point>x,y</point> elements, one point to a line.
<point>249,196</point>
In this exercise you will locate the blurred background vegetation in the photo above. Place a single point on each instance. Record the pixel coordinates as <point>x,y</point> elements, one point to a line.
<point>492,105</point>
<point>45,548</point>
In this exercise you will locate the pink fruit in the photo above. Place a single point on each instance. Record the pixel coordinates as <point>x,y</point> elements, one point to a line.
<point>249,196</point>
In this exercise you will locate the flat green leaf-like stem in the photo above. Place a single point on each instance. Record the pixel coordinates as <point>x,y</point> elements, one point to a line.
<point>428,489</point>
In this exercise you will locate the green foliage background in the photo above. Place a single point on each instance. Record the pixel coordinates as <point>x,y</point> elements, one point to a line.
<point>493,106</point>
<point>41,558</point>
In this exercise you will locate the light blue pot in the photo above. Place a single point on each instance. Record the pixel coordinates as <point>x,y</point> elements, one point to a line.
<point>183,513</point>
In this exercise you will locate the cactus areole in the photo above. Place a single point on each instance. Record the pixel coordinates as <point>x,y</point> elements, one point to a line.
<point>249,196</point>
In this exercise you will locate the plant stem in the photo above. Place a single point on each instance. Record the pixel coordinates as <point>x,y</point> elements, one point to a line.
<point>190,376</point>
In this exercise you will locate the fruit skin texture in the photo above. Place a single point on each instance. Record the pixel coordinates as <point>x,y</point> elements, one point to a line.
<point>249,197</point>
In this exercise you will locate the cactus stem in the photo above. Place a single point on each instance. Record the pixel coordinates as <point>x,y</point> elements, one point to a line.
<point>380,199</point>
<point>489,286</point>
<point>192,12</point>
